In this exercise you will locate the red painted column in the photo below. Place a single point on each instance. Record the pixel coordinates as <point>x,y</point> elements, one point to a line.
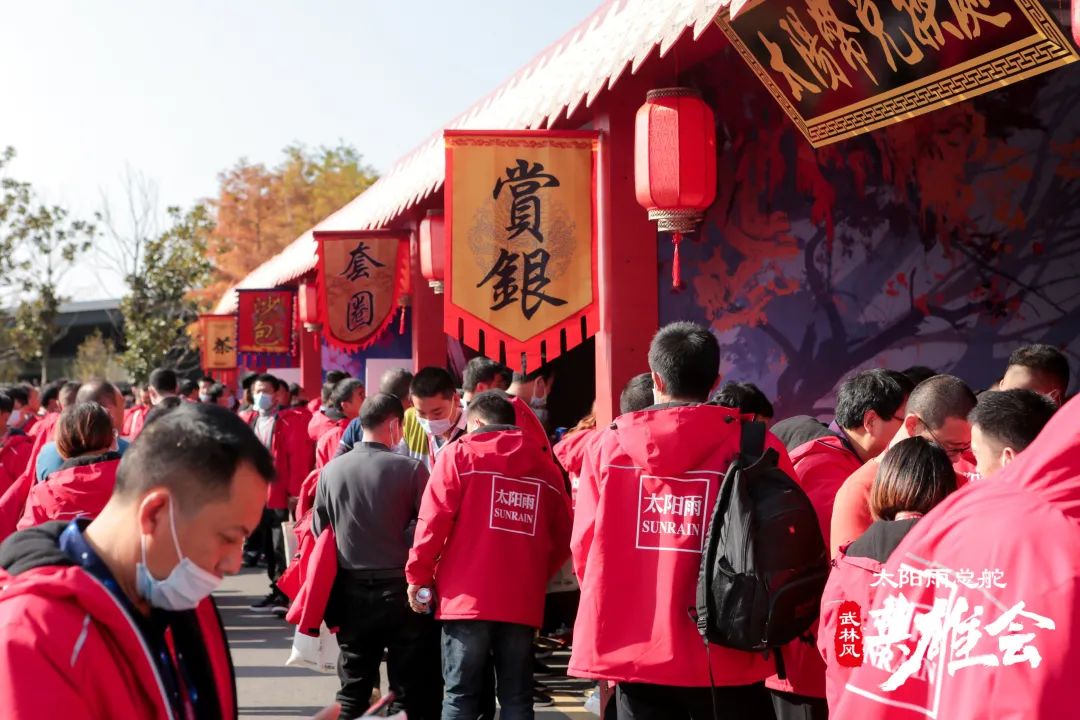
<point>428,340</point>
<point>310,363</point>
<point>629,310</point>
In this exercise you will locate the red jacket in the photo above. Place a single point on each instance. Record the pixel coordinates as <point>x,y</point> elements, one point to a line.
<point>326,448</point>
<point>850,581</point>
<point>494,527</point>
<point>69,649</point>
<point>79,490</point>
<point>44,426</point>
<point>571,452</point>
<point>643,506</point>
<point>821,466</point>
<point>293,457</point>
<point>316,569</point>
<point>14,455</point>
<point>318,425</point>
<point>994,635</point>
<point>134,419</point>
<point>526,419</point>
<point>13,500</point>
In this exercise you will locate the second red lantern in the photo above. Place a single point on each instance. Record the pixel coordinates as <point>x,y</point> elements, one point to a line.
<point>433,249</point>
<point>675,162</point>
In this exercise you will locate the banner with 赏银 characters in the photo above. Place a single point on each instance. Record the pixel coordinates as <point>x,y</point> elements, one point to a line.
<point>839,69</point>
<point>361,278</point>
<point>265,334</point>
<point>218,342</point>
<point>521,232</point>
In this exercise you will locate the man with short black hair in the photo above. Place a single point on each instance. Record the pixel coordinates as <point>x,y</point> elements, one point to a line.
<point>1042,368</point>
<point>188,390</point>
<point>206,385</point>
<point>637,394</point>
<point>15,446</point>
<point>493,529</point>
<point>747,398</point>
<point>917,373</point>
<point>50,396</point>
<point>1003,424</point>
<point>284,434</point>
<point>163,383</point>
<point>482,374</point>
<point>371,497</point>
<point>534,390</point>
<point>114,618</point>
<point>643,503</point>
<point>319,423</point>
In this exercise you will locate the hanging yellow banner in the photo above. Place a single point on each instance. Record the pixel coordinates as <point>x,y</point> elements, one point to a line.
<point>521,242</point>
<point>218,341</point>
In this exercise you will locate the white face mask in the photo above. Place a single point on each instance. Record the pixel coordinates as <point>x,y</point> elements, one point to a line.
<point>15,418</point>
<point>436,427</point>
<point>264,402</point>
<point>187,584</point>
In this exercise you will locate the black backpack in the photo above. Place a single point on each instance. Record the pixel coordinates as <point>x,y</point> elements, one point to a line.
<point>765,564</point>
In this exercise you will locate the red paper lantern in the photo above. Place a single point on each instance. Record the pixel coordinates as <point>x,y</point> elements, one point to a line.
<point>675,162</point>
<point>308,300</point>
<point>433,249</point>
<point>1076,21</point>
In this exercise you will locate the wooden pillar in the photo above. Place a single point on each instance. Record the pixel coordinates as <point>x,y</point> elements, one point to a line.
<point>428,340</point>
<point>628,272</point>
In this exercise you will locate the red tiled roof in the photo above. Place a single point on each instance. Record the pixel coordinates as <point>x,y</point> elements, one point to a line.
<point>620,35</point>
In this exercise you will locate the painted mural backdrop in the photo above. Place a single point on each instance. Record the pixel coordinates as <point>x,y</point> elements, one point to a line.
<point>948,240</point>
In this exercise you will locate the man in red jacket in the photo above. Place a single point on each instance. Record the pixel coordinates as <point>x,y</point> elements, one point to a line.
<point>937,410</point>
<point>975,614</point>
<point>15,446</point>
<point>647,491</point>
<point>284,434</point>
<point>494,527</point>
<point>870,408</point>
<point>112,619</point>
<point>1003,424</point>
<point>1042,368</point>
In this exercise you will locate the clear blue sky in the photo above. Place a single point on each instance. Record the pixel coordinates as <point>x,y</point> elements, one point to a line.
<point>179,91</point>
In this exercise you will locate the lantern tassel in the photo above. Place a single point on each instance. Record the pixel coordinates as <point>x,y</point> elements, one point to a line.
<point>401,321</point>
<point>676,265</point>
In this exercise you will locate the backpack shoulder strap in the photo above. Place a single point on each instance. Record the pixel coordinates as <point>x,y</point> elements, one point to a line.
<point>752,442</point>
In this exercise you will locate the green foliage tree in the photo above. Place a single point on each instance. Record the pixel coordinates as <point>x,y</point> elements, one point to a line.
<point>159,307</point>
<point>38,245</point>
<point>96,359</point>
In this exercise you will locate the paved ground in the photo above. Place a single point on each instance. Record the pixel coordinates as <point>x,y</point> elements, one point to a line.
<point>269,690</point>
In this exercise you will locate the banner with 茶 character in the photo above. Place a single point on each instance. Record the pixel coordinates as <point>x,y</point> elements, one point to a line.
<point>218,342</point>
<point>521,232</point>
<point>265,327</point>
<point>362,275</point>
<point>840,69</point>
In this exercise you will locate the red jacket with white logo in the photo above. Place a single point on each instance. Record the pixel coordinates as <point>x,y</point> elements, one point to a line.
<point>14,456</point>
<point>995,633</point>
<point>851,580</point>
<point>821,467</point>
<point>646,495</point>
<point>494,527</point>
<point>80,489</point>
<point>70,650</point>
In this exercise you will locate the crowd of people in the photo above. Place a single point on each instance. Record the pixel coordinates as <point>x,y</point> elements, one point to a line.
<point>447,526</point>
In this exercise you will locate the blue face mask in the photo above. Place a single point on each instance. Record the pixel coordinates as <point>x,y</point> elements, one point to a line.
<point>264,402</point>
<point>184,588</point>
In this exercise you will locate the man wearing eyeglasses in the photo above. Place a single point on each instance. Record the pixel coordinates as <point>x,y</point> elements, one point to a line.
<point>937,410</point>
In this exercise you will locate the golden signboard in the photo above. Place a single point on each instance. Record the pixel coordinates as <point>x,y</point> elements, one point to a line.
<point>840,68</point>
